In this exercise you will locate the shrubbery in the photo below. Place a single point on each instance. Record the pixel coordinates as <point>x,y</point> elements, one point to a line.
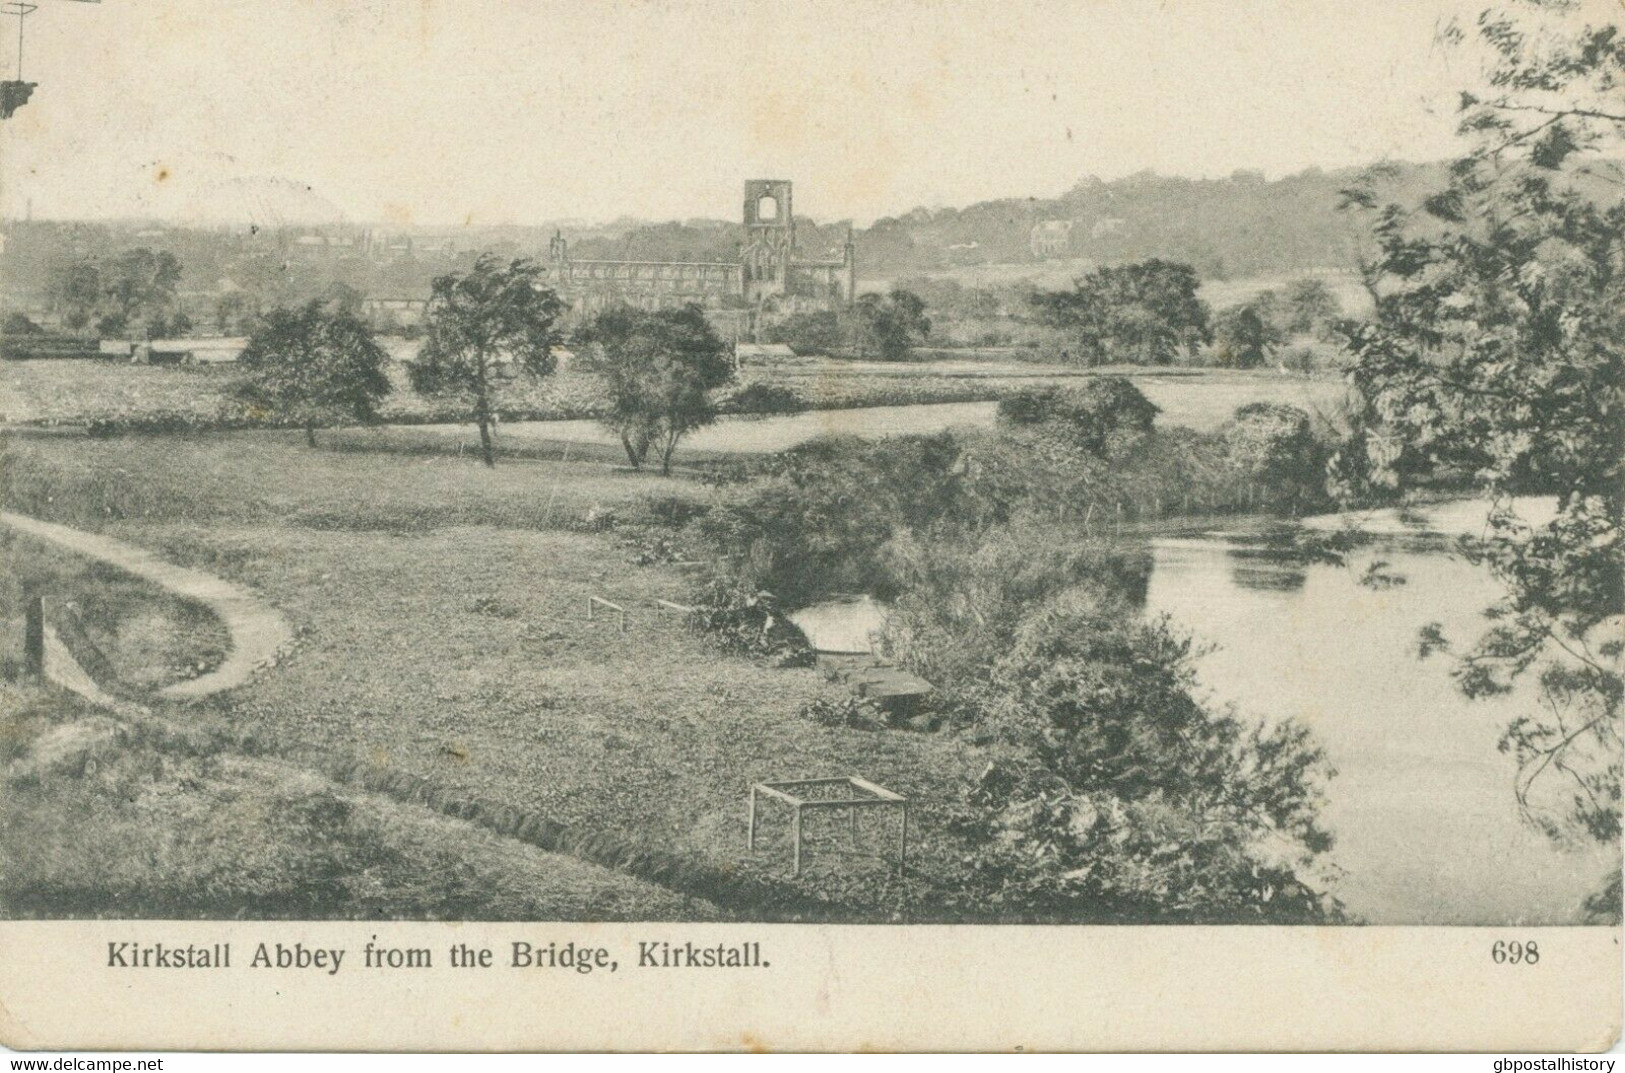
<point>760,398</point>
<point>1124,797</point>
<point>1121,796</point>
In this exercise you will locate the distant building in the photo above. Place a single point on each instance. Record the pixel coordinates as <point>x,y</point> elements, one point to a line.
<point>1052,238</point>
<point>769,279</point>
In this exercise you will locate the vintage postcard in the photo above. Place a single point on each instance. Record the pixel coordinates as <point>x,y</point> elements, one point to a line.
<point>811,524</point>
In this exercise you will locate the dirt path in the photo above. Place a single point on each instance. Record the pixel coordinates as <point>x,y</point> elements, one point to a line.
<point>258,631</point>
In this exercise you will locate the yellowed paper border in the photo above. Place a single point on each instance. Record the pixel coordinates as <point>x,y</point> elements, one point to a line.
<point>821,988</point>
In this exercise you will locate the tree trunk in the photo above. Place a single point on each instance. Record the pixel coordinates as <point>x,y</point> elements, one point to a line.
<point>482,412</point>
<point>310,434</point>
<point>486,450</point>
<point>631,455</point>
<point>665,455</point>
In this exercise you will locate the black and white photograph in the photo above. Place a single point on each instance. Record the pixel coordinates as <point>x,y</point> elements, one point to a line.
<point>798,462</point>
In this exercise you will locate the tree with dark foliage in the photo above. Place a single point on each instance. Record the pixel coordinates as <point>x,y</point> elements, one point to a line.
<point>1245,338</point>
<point>483,327</point>
<point>76,291</point>
<point>659,369</point>
<point>1146,313</point>
<point>312,366</point>
<point>890,325</point>
<point>139,285</point>
<point>1498,350</point>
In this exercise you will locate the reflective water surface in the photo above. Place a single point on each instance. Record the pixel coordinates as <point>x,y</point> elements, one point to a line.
<point>1427,827</point>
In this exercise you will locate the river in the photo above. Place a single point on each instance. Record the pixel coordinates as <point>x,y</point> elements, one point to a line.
<point>1427,827</point>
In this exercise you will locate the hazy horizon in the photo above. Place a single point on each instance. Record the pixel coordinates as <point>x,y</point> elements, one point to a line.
<point>478,113</point>
<point>621,219</point>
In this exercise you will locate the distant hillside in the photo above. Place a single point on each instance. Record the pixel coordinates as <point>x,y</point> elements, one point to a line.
<point>1244,225</point>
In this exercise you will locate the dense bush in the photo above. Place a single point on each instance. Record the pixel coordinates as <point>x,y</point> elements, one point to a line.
<point>809,333</point>
<point>963,599</point>
<point>1245,337</point>
<point>761,398</point>
<point>1128,797</point>
<point>750,623</point>
<point>820,522</point>
<point>1085,415</point>
<point>1273,447</point>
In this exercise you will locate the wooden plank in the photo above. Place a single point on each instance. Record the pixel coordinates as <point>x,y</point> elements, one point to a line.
<point>879,791</point>
<point>779,794</point>
<point>853,802</point>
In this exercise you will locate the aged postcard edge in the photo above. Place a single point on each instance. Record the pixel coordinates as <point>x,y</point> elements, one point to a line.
<point>827,987</point>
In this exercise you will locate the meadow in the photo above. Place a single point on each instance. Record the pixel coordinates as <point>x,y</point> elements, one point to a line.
<point>444,643</point>
<point>92,801</point>
<point>443,634</point>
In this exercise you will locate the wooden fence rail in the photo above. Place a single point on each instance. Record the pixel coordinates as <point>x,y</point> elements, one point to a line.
<point>594,602</point>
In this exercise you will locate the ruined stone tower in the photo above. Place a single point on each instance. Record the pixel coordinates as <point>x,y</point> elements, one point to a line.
<point>770,237</point>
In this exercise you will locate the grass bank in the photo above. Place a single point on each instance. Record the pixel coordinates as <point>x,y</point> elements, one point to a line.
<point>441,609</point>
<point>105,818</point>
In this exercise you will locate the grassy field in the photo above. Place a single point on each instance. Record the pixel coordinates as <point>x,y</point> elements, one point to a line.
<point>105,817</point>
<point>443,633</point>
<point>441,614</point>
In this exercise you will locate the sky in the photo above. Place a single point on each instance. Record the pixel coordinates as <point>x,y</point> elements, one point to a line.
<point>478,112</point>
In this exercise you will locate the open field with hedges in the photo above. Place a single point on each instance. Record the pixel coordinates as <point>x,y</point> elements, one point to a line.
<point>121,397</point>
<point>443,635</point>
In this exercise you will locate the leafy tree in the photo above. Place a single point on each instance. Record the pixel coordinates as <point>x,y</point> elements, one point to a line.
<point>1088,416</point>
<point>314,366</point>
<point>1146,313</point>
<point>139,285</point>
<point>890,324</point>
<point>1245,338</point>
<point>1310,307</point>
<point>659,369</point>
<point>76,291</point>
<point>176,322</point>
<point>483,327</point>
<point>230,310</point>
<point>1497,351</point>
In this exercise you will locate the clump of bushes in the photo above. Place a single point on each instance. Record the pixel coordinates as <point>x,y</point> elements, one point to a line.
<point>1126,798</point>
<point>1088,414</point>
<point>750,622</point>
<point>1275,450</point>
<point>761,398</point>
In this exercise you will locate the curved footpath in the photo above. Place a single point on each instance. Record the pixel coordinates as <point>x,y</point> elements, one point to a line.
<point>258,631</point>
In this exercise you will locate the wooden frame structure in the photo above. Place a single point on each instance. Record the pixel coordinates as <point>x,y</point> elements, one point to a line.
<point>851,793</point>
<point>598,601</point>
